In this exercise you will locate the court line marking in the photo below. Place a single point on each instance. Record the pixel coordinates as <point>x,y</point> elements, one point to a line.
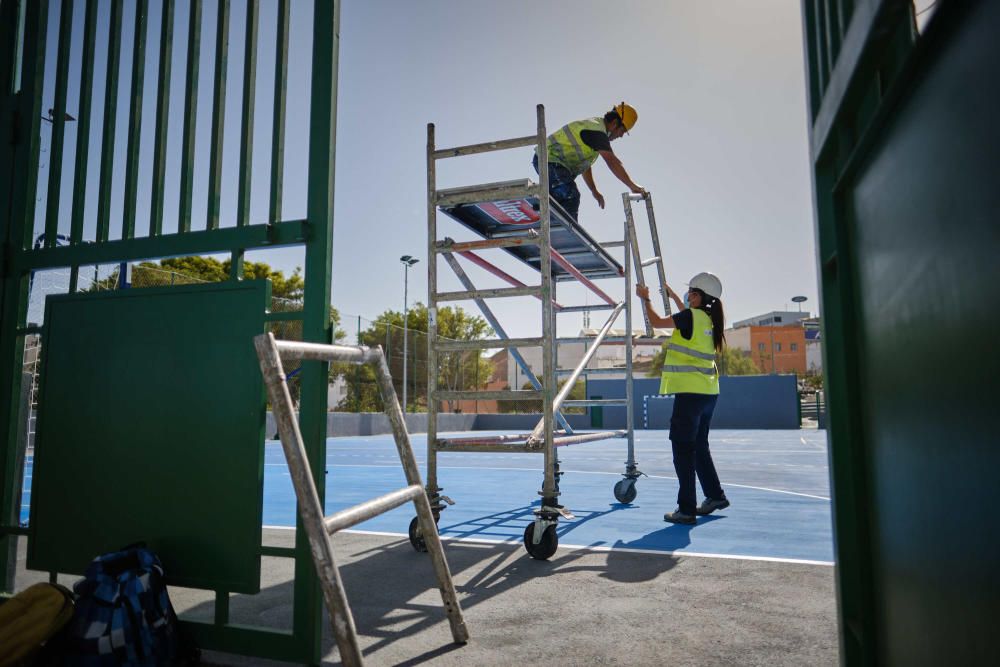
<point>581,472</point>
<point>584,547</point>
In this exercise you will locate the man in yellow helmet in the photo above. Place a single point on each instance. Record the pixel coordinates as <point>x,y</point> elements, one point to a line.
<point>575,147</point>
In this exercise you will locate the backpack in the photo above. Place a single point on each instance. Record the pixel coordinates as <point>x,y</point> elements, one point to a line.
<point>123,615</point>
<point>30,619</point>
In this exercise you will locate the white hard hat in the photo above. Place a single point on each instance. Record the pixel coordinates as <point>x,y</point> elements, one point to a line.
<point>708,283</point>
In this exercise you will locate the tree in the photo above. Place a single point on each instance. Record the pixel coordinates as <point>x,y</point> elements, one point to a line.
<point>731,361</point>
<point>456,370</point>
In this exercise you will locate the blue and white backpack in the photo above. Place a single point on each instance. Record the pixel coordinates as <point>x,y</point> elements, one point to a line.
<point>123,615</point>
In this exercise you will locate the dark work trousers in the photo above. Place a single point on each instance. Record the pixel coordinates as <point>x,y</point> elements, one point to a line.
<point>689,426</point>
<point>562,187</point>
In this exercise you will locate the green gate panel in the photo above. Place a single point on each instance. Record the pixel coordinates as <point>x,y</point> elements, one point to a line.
<point>151,429</point>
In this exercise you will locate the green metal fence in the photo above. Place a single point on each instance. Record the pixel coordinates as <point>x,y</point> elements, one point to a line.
<point>88,214</point>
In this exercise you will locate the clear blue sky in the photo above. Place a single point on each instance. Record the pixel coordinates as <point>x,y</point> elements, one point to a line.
<point>721,140</point>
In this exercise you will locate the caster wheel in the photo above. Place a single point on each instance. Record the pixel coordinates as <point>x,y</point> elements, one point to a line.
<point>625,491</point>
<point>416,537</point>
<point>545,547</point>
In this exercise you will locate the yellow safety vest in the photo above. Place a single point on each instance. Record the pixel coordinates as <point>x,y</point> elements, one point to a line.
<point>689,365</point>
<point>568,149</point>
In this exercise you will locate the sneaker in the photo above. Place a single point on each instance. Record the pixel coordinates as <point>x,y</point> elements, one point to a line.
<point>709,505</point>
<point>677,516</point>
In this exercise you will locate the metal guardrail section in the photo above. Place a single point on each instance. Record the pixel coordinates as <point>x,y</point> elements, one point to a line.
<point>319,528</point>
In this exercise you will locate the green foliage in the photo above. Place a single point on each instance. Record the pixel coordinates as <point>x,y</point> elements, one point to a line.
<point>456,370</point>
<point>731,361</point>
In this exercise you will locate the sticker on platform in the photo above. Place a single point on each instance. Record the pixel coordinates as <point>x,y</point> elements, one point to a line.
<point>510,211</point>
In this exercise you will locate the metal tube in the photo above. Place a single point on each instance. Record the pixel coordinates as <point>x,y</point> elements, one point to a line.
<point>432,350</point>
<point>488,146</point>
<point>581,438</point>
<point>549,491</point>
<point>370,509</point>
<point>320,352</point>
<point>487,344</point>
<point>448,245</point>
<point>218,115</point>
<point>581,403</point>
<point>568,385</point>
<point>489,439</point>
<point>654,234</point>
<point>587,308</point>
<point>495,293</point>
<point>135,119</point>
<point>278,131</point>
<point>631,247</point>
<point>629,388</point>
<point>446,198</point>
<point>310,507</point>
<point>190,116</point>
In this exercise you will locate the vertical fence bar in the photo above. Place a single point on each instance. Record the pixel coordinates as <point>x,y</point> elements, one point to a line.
<point>246,139</point>
<point>110,120</point>
<point>83,133</point>
<point>190,116</point>
<point>162,109</point>
<point>249,92</point>
<point>218,114</point>
<point>278,134</point>
<point>307,613</point>
<point>58,124</point>
<point>135,118</point>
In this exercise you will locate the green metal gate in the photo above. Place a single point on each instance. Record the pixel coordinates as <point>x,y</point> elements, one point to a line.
<point>904,135</point>
<point>24,41</point>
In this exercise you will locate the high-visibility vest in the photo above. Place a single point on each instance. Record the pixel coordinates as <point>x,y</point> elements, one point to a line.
<point>689,365</point>
<point>567,148</point>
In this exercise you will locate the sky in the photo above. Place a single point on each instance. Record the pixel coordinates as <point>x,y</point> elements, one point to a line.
<point>720,143</point>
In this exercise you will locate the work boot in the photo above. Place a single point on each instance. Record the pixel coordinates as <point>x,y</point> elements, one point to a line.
<point>709,505</point>
<point>677,516</point>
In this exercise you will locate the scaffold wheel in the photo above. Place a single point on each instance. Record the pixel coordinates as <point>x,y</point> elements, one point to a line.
<point>416,535</point>
<point>545,547</point>
<point>625,491</point>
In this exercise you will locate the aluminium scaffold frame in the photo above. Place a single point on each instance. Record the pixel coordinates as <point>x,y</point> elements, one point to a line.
<point>540,538</point>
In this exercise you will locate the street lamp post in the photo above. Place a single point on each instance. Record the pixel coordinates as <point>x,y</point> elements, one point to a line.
<point>407,261</point>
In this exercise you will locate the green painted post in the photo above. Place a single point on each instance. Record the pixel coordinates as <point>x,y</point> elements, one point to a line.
<point>135,119</point>
<point>278,133</point>
<point>83,133</point>
<point>190,116</point>
<point>162,109</point>
<point>110,117</point>
<point>307,613</point>
<point>22,181</point>
<point>218,114</point>
<point>58,124</point>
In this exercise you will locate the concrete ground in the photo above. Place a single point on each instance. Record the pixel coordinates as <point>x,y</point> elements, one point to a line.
<point>580,608</point>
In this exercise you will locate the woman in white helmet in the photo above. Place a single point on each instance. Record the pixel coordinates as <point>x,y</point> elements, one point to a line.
<point>690,373</point>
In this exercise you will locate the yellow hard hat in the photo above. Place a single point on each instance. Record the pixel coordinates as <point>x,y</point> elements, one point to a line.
<point>627,114</point>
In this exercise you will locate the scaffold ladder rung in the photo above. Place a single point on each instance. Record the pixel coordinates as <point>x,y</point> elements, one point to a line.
<point>595,401</point>
<point>319,528</point>
<point>494,395</point>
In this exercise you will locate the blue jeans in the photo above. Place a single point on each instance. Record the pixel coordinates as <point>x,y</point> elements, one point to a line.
<point>562,187</point>
<point>689,425</point>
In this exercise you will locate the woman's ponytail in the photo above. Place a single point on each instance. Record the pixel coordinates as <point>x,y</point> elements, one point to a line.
<point>714,310</point>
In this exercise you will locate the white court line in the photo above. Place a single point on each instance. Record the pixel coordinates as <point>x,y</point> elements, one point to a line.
<point>584,547</point>
<point>580,472</point>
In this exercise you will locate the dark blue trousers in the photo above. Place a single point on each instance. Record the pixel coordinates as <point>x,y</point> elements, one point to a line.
<point>689,425</point>
<point>562,187</point>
